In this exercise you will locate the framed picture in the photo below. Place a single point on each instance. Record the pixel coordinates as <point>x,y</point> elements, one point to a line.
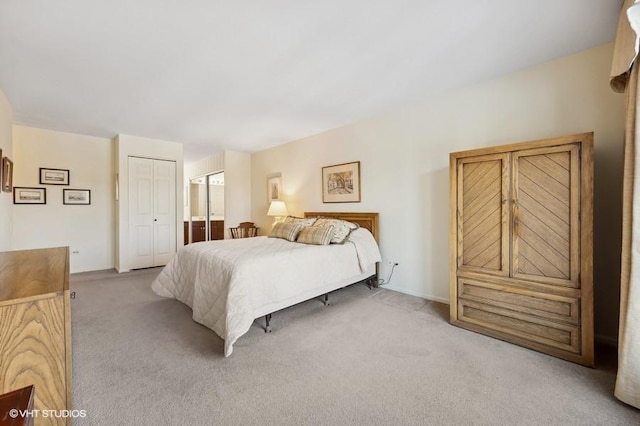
<point>54,176</point>
<point>76,196</point>
<point>341,183</point>
<point>7,175</point>
<point>29,195</point>
<point>274,188</point>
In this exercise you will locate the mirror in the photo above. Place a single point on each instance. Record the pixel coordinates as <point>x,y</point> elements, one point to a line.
<point>206,194</point>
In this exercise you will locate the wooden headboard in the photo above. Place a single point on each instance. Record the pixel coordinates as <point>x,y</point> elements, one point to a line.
<point>365,220</point>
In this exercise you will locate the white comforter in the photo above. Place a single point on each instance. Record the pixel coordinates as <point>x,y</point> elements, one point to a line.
<point>229,283</point>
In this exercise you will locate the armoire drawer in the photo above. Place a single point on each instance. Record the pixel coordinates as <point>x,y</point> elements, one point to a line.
<point>546,306</point>
<point>528,329</point>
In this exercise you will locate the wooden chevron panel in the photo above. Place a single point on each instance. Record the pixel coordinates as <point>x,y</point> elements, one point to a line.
<point>543,230</point>
<point>482,214</point>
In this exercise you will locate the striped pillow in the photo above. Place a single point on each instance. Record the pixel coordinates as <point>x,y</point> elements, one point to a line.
<point>318,235</point>
<point>286,231</point>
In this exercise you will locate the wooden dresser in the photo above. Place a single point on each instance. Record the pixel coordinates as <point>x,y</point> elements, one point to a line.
<point>35,328</point>
<point>522,244</point>
<point>198,231</point>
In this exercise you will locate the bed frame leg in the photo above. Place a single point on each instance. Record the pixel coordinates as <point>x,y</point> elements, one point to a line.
<point>326,299</point>
<point>369,283</point>
<point>267,319</point>
<point>372,282</point>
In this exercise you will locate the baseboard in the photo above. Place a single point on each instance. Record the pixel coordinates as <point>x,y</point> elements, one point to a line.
<point>417,294</point>
<point>94,271</point>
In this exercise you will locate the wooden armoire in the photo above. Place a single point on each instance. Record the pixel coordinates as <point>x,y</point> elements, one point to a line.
<point>521,238</point>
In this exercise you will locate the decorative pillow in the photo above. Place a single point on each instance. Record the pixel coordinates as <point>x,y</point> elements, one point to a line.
<point>286,231</point>
<point>304,221</point>
<point>341,228</point>
<point>318,235</point>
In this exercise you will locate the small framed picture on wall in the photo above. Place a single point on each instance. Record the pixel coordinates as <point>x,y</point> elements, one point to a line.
<point>76,196</point>
<point>274,188</point>
<point>23,195</point>
<point>54,176</point>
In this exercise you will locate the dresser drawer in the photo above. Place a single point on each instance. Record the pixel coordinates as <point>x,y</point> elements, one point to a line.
<point>546,306</point>
<point>518,327</point>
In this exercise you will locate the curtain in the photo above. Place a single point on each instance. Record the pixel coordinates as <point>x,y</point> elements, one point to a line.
<point>624,78</point>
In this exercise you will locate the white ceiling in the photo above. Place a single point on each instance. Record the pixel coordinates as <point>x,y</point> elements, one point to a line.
<point>247,75</point>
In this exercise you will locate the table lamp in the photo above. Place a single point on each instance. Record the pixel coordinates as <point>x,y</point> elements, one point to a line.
<point>278,209</point>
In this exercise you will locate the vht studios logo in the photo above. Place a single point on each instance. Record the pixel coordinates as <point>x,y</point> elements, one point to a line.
<point>47,413</point>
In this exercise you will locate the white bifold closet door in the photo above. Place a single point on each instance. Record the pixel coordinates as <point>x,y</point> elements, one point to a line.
<point>152,212</point>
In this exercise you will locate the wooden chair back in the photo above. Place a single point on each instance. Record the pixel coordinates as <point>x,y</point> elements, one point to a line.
<point>244,230</point>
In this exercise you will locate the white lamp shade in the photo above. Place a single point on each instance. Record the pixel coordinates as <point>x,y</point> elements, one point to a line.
<point>277,209</point>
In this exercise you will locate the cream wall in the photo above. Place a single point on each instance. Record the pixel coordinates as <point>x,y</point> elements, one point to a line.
<point>237,188</point>
<point>404,166</point>
<point>135,146</point>
<point>6,145</point>
<point>87,230</point>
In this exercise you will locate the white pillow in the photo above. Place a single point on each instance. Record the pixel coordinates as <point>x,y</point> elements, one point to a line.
<point>304,221</point>
<point>341,228</point>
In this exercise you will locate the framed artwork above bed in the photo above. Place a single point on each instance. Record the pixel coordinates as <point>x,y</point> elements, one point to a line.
<point>341,183</point>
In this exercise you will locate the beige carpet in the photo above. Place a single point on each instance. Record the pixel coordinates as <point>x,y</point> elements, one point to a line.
<point>370,358</point>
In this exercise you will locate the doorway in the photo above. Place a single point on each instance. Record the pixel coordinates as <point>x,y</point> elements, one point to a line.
<point>206,208</point>
<point>152,212</point>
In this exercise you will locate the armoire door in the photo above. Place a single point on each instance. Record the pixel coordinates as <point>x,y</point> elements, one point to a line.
<point>152,212</point>
<point>483,214</point>
<point>546,215</point>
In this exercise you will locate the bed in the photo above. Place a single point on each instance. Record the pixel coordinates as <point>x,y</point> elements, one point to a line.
<point>230,283</point>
